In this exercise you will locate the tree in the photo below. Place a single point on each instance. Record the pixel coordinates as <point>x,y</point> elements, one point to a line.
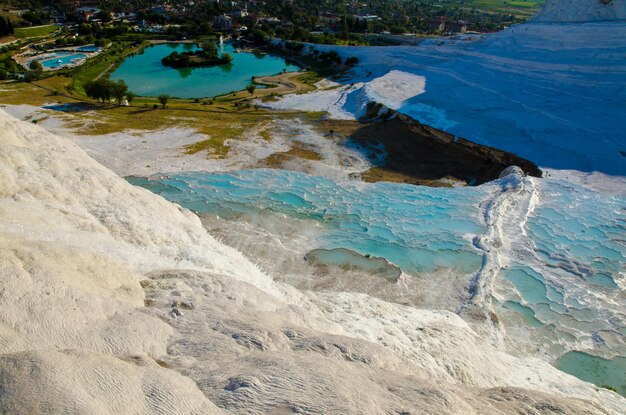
<point>251,88</point>
<point>35,70</point>
<point>104,15</point>
<point>209,49</point>
<point>130,97</point>
<point>163,99</point>
<point>100,89</point>
<point>4,27</point>
<point>118,90</point>
<point>35,66</point>
<point>92,89</point>
<point>30,76</point>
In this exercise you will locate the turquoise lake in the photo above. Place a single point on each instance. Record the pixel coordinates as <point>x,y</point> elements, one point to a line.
<point>145,75</point>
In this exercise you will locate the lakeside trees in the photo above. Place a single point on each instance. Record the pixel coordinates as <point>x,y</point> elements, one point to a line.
<point>104,90</point>
<point>118,90</point>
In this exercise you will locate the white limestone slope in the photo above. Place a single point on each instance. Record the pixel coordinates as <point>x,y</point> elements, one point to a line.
<point>582,11</point>
<point>391,90</point>
<point>116,301</point>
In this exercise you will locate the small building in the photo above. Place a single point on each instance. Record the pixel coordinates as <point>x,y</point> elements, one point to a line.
<point>239,14</point>
<point>272,21</point>
<point>329,18</point>
<point>86,14</point>
<point>438,24</point>
<point>456,27</point>
<point>222,22</point>
<point>125,16</point>
<point>367,17</point>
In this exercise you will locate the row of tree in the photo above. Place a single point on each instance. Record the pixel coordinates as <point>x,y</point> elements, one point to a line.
<point>6,27</point>
<point>105,90</point>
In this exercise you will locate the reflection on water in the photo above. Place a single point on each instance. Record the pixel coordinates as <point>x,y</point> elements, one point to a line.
<point>226,68</point>
<point>184,72</point>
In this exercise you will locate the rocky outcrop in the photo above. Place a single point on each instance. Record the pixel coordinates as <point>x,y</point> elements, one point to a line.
<point>423,152</point>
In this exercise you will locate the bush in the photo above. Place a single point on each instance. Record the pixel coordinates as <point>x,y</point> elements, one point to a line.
<point>130,97</point>
<point>30,76</point>
<point>163,99</point>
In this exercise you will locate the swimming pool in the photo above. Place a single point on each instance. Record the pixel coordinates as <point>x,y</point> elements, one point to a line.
<point>57,60</point>
<point>89,48</point>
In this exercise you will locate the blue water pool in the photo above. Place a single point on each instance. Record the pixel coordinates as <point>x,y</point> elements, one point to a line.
<point>61,59</point>
<point>419,229</point>
<point>89,48</point>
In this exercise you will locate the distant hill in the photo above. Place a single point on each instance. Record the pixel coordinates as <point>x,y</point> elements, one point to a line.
<point>582,11</point>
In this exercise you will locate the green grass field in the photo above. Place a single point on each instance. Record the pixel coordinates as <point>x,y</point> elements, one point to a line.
<point>24,32</point>
<point>520,7</point>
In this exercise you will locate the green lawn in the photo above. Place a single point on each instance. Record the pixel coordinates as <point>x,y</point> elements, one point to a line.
<point>97,66</point>
<point>524,7</point>
<point>6,63</point>
<point>23,32</point>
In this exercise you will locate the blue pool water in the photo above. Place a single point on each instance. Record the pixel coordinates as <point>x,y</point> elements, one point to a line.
<point>61,58</point>
<point>146,75</point>
<point>599,371</point>
<point>566,271</point>
<point>89,48</point>
<point>419,229</point>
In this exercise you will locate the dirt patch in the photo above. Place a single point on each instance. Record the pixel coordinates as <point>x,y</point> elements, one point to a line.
<point>381,174</point>
<point>298,151</point>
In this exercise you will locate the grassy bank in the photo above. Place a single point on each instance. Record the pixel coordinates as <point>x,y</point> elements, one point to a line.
<point>102,65</point>
<point>37,31</point>
<point>219,119</point>
<point>520,8</point>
